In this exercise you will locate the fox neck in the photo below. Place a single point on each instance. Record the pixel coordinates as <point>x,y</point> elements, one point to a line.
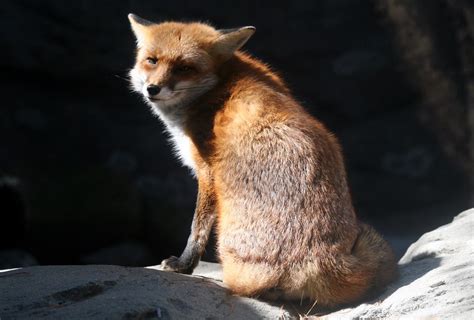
<point>173,114</point>
<point>192,118</point>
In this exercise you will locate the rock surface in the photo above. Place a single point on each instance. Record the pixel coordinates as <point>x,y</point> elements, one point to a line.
<point>112,292</point>
<point>436,278</point>
<point>436,282</point>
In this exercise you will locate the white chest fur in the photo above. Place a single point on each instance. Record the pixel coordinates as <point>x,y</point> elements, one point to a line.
<point>182,145</point>
<point>173,118</point>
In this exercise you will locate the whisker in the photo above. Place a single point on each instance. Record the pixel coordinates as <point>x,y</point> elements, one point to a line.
<point>311,309</point>
<point>120,77</point>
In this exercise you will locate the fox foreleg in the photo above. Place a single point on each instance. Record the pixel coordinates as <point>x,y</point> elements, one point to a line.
<point>203,221</point>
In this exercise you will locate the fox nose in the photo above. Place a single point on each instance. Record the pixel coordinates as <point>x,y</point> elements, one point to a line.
<point>153,90</point>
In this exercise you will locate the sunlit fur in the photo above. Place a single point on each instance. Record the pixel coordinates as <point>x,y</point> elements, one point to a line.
<point>269,174</point>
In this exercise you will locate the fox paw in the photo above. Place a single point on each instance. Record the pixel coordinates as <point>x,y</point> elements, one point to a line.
<point>175,264</point>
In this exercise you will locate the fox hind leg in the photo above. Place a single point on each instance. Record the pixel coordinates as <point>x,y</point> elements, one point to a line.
<point>249,279</point>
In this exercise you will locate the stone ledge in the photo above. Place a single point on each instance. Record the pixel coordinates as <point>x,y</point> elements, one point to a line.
<point>436,282</point>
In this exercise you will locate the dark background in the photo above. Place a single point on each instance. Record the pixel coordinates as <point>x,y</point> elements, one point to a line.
<point>87,173</point>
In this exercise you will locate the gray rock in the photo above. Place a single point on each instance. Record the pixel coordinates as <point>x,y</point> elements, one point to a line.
<point>204,269</point>
<point>111,292</point>
<point>436,281</point>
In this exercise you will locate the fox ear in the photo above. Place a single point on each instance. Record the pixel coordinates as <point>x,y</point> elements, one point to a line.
<point>232,40</point>
<point>139,27</point>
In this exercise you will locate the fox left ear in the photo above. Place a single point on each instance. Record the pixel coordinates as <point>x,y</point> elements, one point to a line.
<point>139,27</point>
<point>232,40</point>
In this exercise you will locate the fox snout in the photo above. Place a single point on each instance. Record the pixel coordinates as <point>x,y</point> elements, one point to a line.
<point>158,92</point>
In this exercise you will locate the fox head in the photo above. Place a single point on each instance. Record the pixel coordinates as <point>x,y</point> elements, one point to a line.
<point>178,62</point>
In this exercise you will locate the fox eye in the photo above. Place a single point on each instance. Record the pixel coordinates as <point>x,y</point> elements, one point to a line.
<point>184,69</point>
<point>151,60</point>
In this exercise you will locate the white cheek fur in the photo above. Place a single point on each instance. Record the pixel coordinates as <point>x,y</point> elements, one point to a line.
<point>171,110</point>
<point>137,80</point>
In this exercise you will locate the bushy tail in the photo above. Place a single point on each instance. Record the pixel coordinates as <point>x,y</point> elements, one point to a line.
<point>376,255</point>
<point>349,278</point>
<point>358,276</point>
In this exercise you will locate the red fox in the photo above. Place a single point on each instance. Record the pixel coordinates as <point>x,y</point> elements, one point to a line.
<point>270,176</point>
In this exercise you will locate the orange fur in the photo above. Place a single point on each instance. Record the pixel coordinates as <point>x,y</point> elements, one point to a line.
<point>270,174</point>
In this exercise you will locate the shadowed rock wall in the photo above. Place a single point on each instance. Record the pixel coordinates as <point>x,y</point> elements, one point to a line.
<point>392,80</point>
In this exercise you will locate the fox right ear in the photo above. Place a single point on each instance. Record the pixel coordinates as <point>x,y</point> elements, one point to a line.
<point>139,27</point>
